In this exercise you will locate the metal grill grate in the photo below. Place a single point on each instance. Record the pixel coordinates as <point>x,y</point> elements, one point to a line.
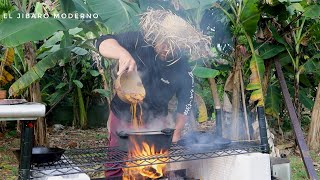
<point>106,158</point>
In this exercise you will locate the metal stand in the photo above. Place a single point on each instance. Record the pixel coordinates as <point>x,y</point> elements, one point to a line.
<point>263,130</point>
<point>218,123</point>
<point>26,149</point>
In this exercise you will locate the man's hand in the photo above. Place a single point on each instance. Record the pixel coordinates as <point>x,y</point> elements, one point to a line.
<point>126,62</point>
<point>180,122</point>
<point>176,136</point>
<point>110,48</point>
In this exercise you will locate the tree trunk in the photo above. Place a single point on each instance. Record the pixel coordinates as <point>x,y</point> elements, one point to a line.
<point>235,126</point>
<point>35,96</point>
<point>314,131</point>
<point>214,92</point>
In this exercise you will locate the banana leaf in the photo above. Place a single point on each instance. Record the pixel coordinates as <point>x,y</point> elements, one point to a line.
<point>120,15</point>
<point>37,71</point>
<point>16,31</point>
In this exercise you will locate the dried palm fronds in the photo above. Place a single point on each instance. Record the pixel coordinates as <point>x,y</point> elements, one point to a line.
<point>161,26</point>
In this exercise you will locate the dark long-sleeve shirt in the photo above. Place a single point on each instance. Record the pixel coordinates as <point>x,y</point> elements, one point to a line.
<point>160,80</point>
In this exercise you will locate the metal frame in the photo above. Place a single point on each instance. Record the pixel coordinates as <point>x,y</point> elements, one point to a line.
<point>96,159</point>
<point>107,158</point>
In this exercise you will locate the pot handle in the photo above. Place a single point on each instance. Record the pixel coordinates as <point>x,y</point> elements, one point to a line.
<point>167,131</point>
<point>122,134</point>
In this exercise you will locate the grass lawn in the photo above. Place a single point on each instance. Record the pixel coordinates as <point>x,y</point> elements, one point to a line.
<point>298,171</point>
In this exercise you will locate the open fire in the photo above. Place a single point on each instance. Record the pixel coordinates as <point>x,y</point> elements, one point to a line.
<point>145,170</point>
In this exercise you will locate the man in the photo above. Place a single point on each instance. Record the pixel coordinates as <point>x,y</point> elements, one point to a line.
<point>159,53</point>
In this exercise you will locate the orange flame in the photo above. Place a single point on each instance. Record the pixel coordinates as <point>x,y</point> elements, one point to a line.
<point>153,171</point>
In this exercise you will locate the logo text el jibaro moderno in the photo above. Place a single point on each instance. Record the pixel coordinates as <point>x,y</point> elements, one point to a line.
<point>59,16</point>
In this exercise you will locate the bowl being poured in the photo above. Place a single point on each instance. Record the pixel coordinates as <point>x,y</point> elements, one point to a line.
<point>129,87</point>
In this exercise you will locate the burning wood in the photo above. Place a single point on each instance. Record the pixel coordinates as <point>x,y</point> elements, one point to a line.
<point>154,171</point>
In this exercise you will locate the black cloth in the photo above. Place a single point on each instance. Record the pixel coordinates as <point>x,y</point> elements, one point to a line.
<point>160,80</point>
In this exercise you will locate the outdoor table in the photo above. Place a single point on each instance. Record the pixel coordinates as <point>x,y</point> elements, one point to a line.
<point>27,113</point>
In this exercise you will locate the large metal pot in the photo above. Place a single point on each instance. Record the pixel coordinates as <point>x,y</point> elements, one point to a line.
<point>161,139</point>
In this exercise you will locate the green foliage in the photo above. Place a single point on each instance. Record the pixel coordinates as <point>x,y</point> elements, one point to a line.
<point>116,14</point>
<point>204,72</point>
<point>250,16</point>
<point>268,51</point>
<point>78,83</point>
<point>305,99</point>
<point>312,11</point>
<point>273,101</point>
<point>5,8</point>
<point>20,30</point>
<point>37,71</point>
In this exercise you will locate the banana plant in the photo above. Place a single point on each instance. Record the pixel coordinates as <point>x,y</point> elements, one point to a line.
<point>299,37</point>
<point>243,17</point>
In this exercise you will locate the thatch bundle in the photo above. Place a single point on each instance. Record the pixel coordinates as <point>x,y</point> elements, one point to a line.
<point>161,26</point>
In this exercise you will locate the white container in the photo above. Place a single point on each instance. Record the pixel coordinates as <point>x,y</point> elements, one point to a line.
<point>253,166</point>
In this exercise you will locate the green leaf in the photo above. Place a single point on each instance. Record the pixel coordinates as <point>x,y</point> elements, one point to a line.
<point>311,66</point>
<point>38,8</point>
<point>312,11</point>
<point>78,83</point>
<point>269,51</point>
<point>94,73</point>
<point>250,16</point>
<point>305,100</point>
<point>203,72</point>
<point>317,56</point>
<point>67,6</point>
<point>273,101</point>
<point>75,31</point>
<point>81,7</point>
<point>102,92</point>
<point>295,7</point>
<point>116,14</point>
<point>37,71</point>
<point>79,51</point>
<point>276,36</point>
<point>18,31</point>
<point>195,9</point>
<point>61,85</point>
<point>284,58</point>
<point>314,33</point>
<point>56,96</point>
<point>57,37</point>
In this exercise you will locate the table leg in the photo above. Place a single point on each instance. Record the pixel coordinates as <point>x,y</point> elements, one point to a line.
<point>26,149</point>
<point>263,130</point>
